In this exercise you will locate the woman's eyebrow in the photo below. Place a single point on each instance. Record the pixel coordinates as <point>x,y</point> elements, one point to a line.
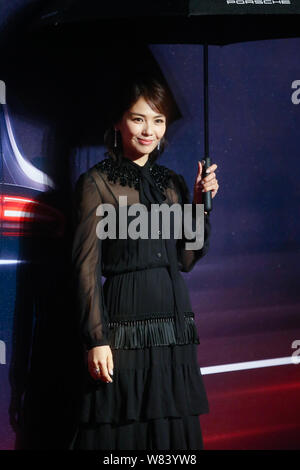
<point>139,114</point>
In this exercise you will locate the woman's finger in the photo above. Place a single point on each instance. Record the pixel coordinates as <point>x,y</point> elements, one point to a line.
<point>104,371</point>
<point>209,177</point>
<point>212,167</point>
<point>110,364</point>
<point>209,171</point>
<point>94,370</point>
<point>198,176</point>
<point>211,181</point>
<point>211,187</point>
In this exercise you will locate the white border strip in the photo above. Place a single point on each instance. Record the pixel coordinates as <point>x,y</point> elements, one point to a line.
<point>279,361</point>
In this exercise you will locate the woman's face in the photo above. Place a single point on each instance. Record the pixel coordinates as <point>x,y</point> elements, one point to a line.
<point>139,124</point>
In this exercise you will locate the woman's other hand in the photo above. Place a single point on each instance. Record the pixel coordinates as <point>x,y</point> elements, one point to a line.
<point>208,183</point>
<point>101,358</point>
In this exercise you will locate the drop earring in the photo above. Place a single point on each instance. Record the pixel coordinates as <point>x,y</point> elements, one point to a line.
<point>158,145</point>
<point>115,143</point>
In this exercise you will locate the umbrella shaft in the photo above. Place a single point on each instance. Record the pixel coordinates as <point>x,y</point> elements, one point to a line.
<point>205,96</point>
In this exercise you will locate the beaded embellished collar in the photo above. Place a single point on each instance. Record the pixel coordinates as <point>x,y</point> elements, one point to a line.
<point>128,172</point>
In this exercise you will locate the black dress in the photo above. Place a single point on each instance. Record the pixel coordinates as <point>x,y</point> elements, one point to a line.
<point>157,393</point>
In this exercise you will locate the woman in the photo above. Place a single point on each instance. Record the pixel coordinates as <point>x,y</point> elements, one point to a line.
<point>143,387</point>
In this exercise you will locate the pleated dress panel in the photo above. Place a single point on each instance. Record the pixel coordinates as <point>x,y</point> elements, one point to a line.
<point>157,393</point>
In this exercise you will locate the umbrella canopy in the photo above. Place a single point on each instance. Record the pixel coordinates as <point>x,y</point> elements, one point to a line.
<point>191,21</point>
<point>228,21</point>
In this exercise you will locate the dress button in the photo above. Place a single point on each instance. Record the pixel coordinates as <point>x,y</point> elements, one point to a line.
<point>159,254</point>
<point>159,231</point>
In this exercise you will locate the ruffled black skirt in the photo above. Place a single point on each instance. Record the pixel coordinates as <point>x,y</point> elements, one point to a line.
<point>154,402</point>
<point>158,434</point>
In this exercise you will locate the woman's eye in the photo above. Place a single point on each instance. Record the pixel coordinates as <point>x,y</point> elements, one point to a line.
<point>157,120</point>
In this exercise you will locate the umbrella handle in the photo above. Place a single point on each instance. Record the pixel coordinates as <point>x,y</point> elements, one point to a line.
<point>206,196</point>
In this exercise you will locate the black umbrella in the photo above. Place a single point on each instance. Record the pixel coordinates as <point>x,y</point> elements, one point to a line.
<point>217,22</point>
<point>237,21</point>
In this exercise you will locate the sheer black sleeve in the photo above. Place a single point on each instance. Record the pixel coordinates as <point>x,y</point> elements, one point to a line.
<point>86,263</point>
<point>188,258</point>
